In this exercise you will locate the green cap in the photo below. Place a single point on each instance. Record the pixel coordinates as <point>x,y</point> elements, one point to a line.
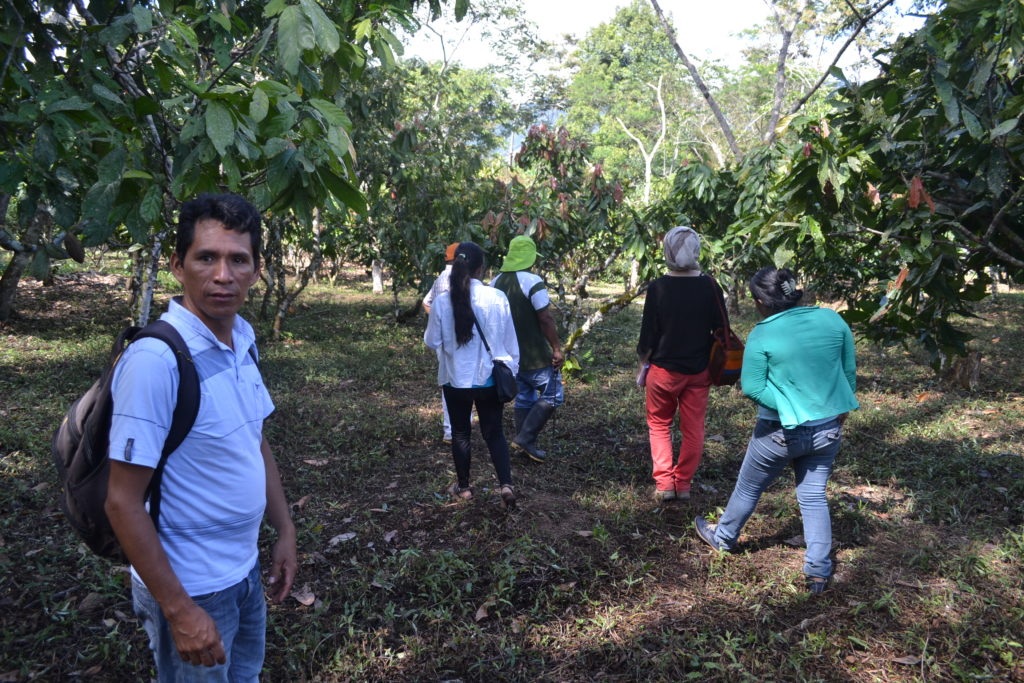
<point>522,253</point>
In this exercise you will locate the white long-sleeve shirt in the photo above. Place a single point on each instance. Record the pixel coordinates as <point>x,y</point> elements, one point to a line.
<point>471,365</point>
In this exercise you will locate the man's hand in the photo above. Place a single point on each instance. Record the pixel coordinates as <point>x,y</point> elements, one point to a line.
<point>557,359</point>
<point>282,568</point>
<point>196,637</point>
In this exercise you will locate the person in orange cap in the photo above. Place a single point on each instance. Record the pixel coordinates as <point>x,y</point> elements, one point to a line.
<point>443,284</point>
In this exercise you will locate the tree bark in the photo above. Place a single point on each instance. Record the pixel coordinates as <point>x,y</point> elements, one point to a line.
<point>16,268</point>
<point>723,123</point>
<point>377,268</point>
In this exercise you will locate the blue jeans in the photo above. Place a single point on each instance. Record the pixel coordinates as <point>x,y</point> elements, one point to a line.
<point>542,383</point>
<point>811,452</point>
<point>240,613</point>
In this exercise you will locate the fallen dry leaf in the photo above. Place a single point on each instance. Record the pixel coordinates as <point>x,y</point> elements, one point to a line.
<point>341,538</point>
<point>298,505</point>
<point>109,623</point>
<point>585,534</point>
<point>909,660</point>
<point>481,613</point>
<point>304,595</point>
<point>390,536</point>
<point>392,485</point>
<point>565,586</point>
<point>316,462</point>
<point>717,438</point>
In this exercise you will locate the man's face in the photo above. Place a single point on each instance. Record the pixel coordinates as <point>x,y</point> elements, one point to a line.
<point>217,271</point>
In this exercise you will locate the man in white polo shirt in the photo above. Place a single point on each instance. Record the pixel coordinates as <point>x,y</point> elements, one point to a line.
<point>196,581</point>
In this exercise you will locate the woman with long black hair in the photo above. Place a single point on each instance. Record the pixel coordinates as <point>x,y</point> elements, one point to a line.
<point>457,320</point>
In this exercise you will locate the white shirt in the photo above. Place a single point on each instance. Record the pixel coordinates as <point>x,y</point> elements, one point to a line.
<point>214,485</point>
<point>470,365</point>
<point>441,285</point>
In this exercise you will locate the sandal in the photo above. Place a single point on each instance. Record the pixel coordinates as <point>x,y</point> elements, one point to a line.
<point>508,496</point>
<point>460,492</point>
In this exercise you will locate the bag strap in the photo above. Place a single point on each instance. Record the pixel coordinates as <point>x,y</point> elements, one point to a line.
<point>482,337</point>
<point>186,409</point>
<point>718,296</point>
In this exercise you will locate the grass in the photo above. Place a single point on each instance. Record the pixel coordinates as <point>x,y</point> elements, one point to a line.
<point>590,579</point>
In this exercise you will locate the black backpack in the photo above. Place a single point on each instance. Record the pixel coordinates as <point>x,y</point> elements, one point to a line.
<point>80,444</point>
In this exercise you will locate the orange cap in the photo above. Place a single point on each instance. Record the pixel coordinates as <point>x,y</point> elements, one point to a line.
<point>449,253</point>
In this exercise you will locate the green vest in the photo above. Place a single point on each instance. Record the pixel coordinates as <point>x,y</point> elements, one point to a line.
<point>534,350</point>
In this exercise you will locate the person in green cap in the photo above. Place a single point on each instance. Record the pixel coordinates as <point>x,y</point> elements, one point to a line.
<point>539,376</point>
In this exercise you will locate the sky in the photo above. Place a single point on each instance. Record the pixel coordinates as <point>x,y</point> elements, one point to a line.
<point>705,31</point>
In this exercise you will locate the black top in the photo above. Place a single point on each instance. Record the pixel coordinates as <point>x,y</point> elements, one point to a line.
<point>680,314</point>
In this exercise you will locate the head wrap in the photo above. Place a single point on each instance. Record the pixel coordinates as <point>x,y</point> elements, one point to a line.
<point>449,253</point>
<point>682,248</point>
<point>522,253</point>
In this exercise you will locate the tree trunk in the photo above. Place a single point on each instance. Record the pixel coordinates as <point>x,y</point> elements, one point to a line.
<point>151,267</point>
<point>16,267</point>
<point>288,298</point>
<point>608,307</point>
<point>378,276</point>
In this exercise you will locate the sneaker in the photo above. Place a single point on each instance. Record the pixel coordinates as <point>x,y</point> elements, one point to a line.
<point>663,496</point>
<point>816,585</point>
<point>682,495</point>
<point>706,532</point>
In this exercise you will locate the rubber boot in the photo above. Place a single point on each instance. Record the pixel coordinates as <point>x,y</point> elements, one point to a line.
<point>526,439</point>
<point>520,417</point>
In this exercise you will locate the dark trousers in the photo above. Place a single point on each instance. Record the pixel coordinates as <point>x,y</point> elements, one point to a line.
<point>488,409</point>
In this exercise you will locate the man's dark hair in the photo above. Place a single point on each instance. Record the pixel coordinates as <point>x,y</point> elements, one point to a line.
<point>234,212</point>
<point>776,289</point>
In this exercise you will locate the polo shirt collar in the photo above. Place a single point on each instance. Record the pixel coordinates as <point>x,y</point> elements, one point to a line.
<point>241,332</point>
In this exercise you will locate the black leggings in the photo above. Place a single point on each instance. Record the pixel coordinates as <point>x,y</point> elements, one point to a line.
<point>488,408</point>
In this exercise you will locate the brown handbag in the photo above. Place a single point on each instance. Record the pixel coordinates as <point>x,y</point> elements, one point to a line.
<point>726,358</point>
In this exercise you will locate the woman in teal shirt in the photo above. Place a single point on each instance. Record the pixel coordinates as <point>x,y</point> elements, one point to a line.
<point>799,368</point>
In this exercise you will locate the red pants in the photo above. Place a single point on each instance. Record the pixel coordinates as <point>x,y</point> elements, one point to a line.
<point>668,392</point>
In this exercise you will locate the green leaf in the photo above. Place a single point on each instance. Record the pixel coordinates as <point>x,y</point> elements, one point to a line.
<point>949,102</point>
<point>324,30</point>
<point>137,174</point>
<point>218,18</point>
<point>106,94</point>
<point>44,149</point>
<point>294,35</point>
<point>75,103</point>
<point>151,206</point>
<point>363,30</point>
<point>343,191</point>
<point>332,113</point>
<point>273,88</point>
<point>461,7</point>
<point>971,122</point>
<point>259,106</point>
<point>111,166</point>
<point>273,8</point>
<point>783,256</point>
<point>145,106</point>
<point>220,127</point>
<point>1004,128</point>
<point>143,18</point>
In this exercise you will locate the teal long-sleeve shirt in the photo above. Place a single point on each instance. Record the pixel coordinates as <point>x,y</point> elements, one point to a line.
<point>801,364</point>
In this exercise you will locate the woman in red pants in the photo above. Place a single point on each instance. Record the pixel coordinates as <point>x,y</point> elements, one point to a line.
<point>680,314</point>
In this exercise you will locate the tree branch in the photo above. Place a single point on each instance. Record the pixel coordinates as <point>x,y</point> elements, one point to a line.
<point>780,75</point>
<point>1000,255</point>
<point>860,27</point>
<point>723,123</point>
<point>999,214</point>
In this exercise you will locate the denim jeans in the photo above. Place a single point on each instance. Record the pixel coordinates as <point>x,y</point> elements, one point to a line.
<point>811,452</point>
<point>240,613</point>
<point>542,383</point>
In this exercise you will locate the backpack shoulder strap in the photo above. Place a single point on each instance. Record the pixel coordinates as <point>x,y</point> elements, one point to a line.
<point>716,294</point>
<point>186,407</point>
